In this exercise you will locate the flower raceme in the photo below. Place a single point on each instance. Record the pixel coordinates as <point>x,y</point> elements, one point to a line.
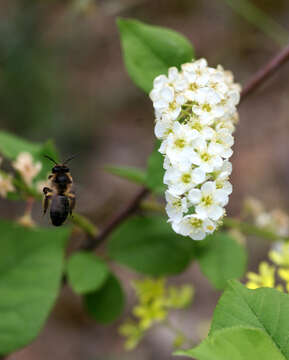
<point>195,111</point>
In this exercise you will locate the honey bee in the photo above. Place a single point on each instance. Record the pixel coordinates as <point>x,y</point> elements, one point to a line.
<point>59,195</point>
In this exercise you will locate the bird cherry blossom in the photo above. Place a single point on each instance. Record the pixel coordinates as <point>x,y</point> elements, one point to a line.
<point>195,112</point>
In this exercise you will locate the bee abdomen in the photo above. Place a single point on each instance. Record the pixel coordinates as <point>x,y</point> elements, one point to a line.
<point>59,209</point>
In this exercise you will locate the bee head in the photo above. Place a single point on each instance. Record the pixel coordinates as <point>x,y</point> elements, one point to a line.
<point>60,168</point>
<point>57,169</point>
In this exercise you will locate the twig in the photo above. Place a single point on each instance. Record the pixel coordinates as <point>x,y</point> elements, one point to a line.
<point>118,219</point>
<point>29,205</point>
<point>266,71</point>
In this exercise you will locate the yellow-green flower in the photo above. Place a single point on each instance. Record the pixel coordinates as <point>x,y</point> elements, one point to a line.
<point>150,313</point>
<point>154,301</point>
<point>265,278</point>
<point>179,298</point>
<point>149,289</point>
<point>280,258</point>
<point>133,334</point>
<point>284,275</point>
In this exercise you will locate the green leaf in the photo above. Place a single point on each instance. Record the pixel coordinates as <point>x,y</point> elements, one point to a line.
<point>221,258</point>
<point>86,272</point>
<point>155,171</point>
<point>31,262</point>
<point>236,343</point>
<point>266,309</point>
<point>149,51</point>
<point>149,246</point>
<point>11,146</point>
<point>132,174</point>
<point>106,304</point>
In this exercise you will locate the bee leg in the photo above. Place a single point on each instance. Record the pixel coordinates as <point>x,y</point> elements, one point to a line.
<point>47,196</point>
<point>71,197</point>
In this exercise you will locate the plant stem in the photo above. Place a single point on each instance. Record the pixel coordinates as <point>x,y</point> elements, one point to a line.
<point>152,206</point>
<point>86,225</point>
<point>130,209</point>
<point>267,70</point>
<point>29,205</point>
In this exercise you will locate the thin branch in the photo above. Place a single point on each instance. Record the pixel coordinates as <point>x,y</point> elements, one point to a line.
<point>257,79</point>
<point>130,209</point>
<point>265,72</point>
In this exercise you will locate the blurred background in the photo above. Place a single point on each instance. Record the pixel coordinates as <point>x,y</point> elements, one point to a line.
<point>62,77</point>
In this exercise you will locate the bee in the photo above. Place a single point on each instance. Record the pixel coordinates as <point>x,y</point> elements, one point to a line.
<point>59,195</point>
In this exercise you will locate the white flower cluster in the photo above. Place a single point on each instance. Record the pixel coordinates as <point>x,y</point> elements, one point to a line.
<point>196,113</point>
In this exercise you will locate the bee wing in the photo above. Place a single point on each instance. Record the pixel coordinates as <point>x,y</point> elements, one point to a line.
<point>71,197</point>
<point>46,202</point>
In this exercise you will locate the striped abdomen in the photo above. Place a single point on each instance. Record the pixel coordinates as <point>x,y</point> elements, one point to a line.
<point>59,209</point>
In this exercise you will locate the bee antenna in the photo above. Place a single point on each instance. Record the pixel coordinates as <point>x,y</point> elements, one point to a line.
<point>70,158</point>
<point>50,158</point>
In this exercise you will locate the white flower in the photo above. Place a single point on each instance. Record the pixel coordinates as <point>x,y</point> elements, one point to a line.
<point>207,107</point>
<point>163,128</point>
<point>6,185</point>
<point>209,201</point>
<point>226,123</point>
<point>221,143</point>
<point>217,82</point>
<point>162,96</point>
<point>194,226</point>
<point>205,156</point>
<point>205,132</point>
<point>223,172</point>
<point>25,166</point>
<point>181,181</point>
<point>174,80</point>
<point>224,185</point>
<point>196,74</point>
<point>178,145</point>
<point>176,206</point>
